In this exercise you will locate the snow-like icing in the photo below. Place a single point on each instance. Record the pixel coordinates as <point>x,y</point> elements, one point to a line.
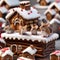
<point>30,14</point>
<point>39,6</point>
<point>57,52</point>
<point>30,50</point>
<point>6,51</point>
<point>2,41</point>
<point>9,14</point>
<point>11,2</point>
<point>23,58</point>
<point>45,0</point>
<point>55,4</point>
<point>38,37</point>
<point>51,11</point>
<point>54,20</point>
<point>3,10</point>
<point>2,20</point>
<point>24,2</point>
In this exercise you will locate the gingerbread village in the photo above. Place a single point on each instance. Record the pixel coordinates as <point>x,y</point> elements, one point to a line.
<point>25,33</point>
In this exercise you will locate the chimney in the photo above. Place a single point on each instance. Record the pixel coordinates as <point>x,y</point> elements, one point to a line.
<point>25,5</point>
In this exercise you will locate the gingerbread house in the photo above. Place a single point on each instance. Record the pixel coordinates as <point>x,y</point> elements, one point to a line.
<point>3,12</point>
<point>2,43</point>
<point>29,52</point>
<point>44,2</point>
<point>44,45</point>
<point>55,24</point>
<point>9,3</point>
<point>50,14</point>
<point>22,14</point>
<point>55,55</point>
<point>6,54</point>
<point>55,6</point>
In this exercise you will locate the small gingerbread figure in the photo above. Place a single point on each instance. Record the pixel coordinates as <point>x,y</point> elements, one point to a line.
<point>34,28</point>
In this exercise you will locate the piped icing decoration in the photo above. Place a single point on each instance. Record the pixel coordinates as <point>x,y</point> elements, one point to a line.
<point>57,52</point>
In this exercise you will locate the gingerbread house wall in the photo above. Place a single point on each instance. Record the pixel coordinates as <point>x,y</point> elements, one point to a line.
<point>1,14</point>
<point>7,57</point>
<point>2,45</point>
<point>27,55</point>
<point>43,3</point>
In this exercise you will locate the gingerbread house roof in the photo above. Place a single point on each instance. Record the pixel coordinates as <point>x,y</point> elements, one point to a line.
<point>24,2</point>
<point>57,4</point>
<point>2,41</point>
<point>6,51</point>
<point>26,14</point>
<point>23,58</point>
<point>54,20</point>
<point>51,11</point>
<point>30,50</point>
<point>45,0</point>
<point>57,52</point>
<point>11,2</point>
<point>33,38</point>
<point>3,10</point>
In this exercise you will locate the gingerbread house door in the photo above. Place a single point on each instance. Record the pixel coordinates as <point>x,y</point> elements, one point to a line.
<point>7,57</point>
<point>14,48</point>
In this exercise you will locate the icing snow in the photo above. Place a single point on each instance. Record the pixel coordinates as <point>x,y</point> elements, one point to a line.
<point>23,58</point>
<point>45,0</point>
<point>26,14</point>
<point>54,20</point>
<point>2,41</point>
<point>10,2</point>
<point>24,2</point>
<point>6,51</point>
<point>39,6</point>
<point>2,20</point>
<point>55,4</point>
<point>30,50</point>
<point>53,12</point>
<point>57,52</point>
<point>38,37</point>
<point>3,10</point>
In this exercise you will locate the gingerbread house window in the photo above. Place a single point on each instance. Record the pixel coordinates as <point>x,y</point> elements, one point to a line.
<point>14,48</point>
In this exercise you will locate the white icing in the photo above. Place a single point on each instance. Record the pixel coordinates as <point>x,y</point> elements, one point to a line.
<point>7,52</point>
<point>55,4</point>
<point>39,6</point>
<point>2,20</point>
<point>39,38</point>
<point>9,14</point>
<point>30,50</point>
<point>25,14</point>
<point>45,0</point>
<point>23,58</point>
<point>57,52</point>
<point>24,2</point>
<point>11,2</point>
<point>52,12</point>
<point>54,20</point>
<point>2,41</point>
<point>3,10</point>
